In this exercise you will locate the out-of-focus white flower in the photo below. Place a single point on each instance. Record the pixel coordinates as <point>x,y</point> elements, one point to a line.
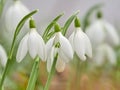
<point>81,43</point>
<point>102,31</point>
<point>104,53</point>
<point>33,43</point>
<point>3,56</point>
<point>58,44</point>
<point>14,14</point>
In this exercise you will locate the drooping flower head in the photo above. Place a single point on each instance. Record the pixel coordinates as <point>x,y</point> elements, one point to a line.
<point>102,31</point>
<point>33,43</point>
<point>80,42</point>
<point>3,56</point>
<point>58,44</point>
<point>14,14</point>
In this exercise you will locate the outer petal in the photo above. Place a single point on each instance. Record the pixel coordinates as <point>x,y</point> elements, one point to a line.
<point>110,55</point>
<point>48,47</point>
<point>50,59</point>
<point>111,34</point>
<point>60,65</point>
<point>22,49</point>
<point>71,39</point>
<point>65,49</point>
<point>33,43</point>
<point>96,33</point>
<point>99,55</point>
<point>14,14</point>
<point>41,47</point>
<point>3,56</point>
<point>88,46</point>
<point>79,44</point>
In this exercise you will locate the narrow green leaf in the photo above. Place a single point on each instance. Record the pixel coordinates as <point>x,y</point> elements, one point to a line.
<point>50,35</point>
<point>22,22</point>
<point>51,25</point>
<point>33,75</point>
<point>68,22</point>
<point>52,71</point>
<point>88,14</point>
<point>2,2</point>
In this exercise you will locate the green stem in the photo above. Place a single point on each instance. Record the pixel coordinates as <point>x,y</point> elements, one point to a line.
<point>51,73</point>
<point>2,3</point>
<point>78,74</point>
<point>7,68</point>
<point>4,74</point>
<point>33,75</point>
<point>78,68</point>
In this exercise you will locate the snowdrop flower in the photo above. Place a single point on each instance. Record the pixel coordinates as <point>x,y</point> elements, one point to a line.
<point>14,14</point>
<point>102,31</point>
<point>104,52</point>
<point>80,42</point>
<point>58,44</point>
<point>3,56</point>
<point>33,43</point>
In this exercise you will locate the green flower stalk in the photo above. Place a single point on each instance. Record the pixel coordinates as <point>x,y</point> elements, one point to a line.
<point>52,71</point>
<point>2,3</point>
<point>33,75</point>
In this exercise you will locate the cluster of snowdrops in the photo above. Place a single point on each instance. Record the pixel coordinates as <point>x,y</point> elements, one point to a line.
<point>53,47</point>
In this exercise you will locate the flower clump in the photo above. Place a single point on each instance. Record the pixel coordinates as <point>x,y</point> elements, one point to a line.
<point>33,43</point>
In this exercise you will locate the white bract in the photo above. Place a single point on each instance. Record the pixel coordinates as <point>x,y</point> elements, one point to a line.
<point>14,14</point>
<point>104,53</point>
<point>81,44</point>
<point>58,44</point>
<point>33,43</point>
<point>3,56</point>
<point>102,31</point>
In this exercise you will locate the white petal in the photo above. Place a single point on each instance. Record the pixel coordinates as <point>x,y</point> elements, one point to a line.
<point>33,43</point>
<point>96,33</point>
<point>50,59</point>
<point>3,56</point>
<point>111,34</point>
<point>14,14</point>
<point>49,46</point>
<point>22,49</point>
<point>88,46</point>
<point>79,44</point>
<point>65,48</point>
<point>71,39</point>
<point>99,55</point>
<point>60,65</point>
<point>41,47</point>
<point>111,55</point>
